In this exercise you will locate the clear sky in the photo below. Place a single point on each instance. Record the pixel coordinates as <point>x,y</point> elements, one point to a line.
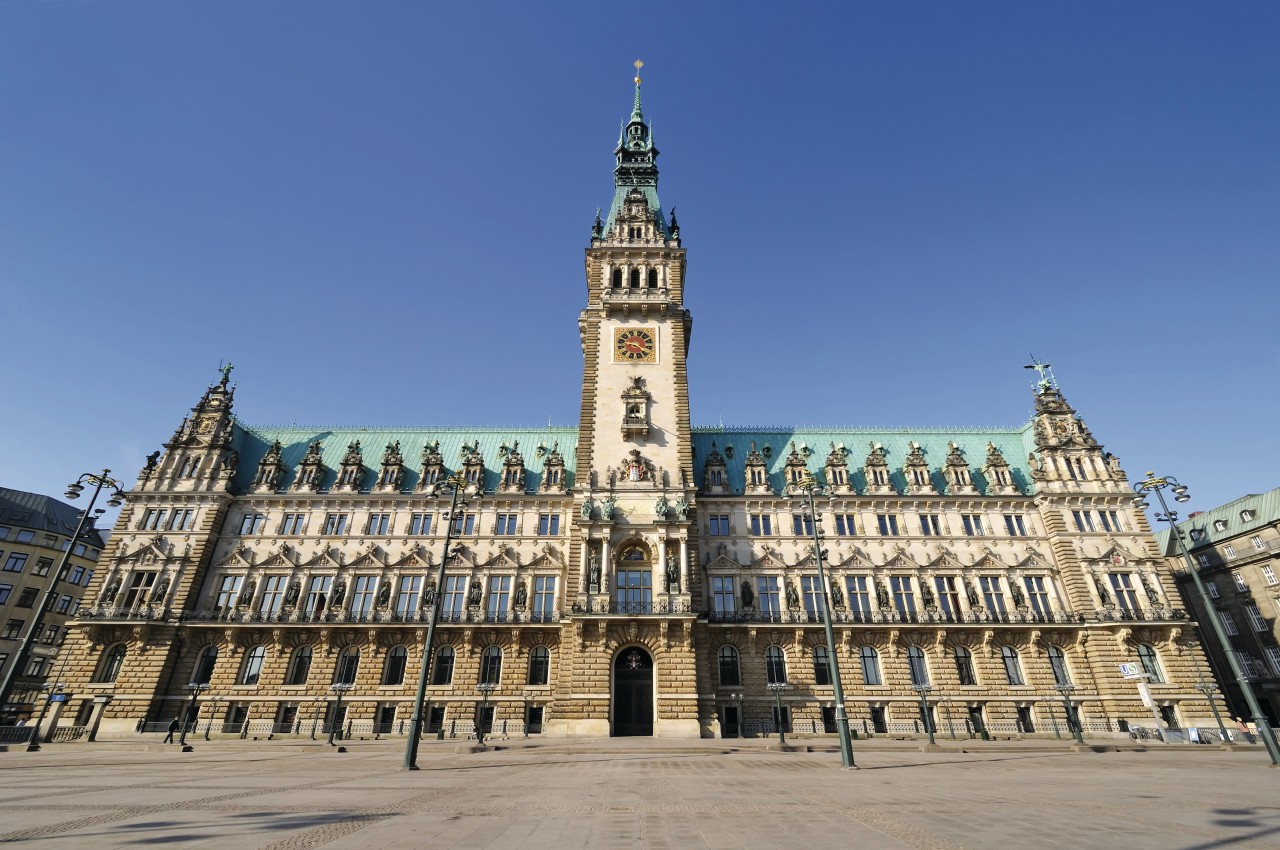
<point>377,210</point>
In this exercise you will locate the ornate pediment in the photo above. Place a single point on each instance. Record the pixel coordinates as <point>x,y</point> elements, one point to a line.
<point>415,556</point>
<point>152,551</point>
<point>368,555</point>
<point>239,556</point>
<point>324,558</point>
<point>279,557</point>
<point>724,562</point>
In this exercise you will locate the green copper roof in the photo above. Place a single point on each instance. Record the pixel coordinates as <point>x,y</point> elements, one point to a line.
<point>1265,508</point>
<point>1014,444</point>
<point>637,167</point>
<point>252,442</point>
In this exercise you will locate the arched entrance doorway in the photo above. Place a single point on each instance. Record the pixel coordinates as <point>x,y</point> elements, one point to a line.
<point>632,693</point>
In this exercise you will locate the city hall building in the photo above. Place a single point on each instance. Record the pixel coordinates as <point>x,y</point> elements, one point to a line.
<point>635,575</point>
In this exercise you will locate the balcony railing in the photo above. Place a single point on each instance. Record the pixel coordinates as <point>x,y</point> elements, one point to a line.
<point>240,615</point>
<point>890,616</point>
<point>634,609</point>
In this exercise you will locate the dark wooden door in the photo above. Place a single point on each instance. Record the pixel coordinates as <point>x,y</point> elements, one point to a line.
<point>633,693</point>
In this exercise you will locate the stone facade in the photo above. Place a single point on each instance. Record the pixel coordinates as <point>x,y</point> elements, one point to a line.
<point>633,575</point>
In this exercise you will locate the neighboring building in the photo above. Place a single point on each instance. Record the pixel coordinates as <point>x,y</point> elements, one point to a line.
<point>633,575</point>
<point>34,532</point>
<point>1236,548</point>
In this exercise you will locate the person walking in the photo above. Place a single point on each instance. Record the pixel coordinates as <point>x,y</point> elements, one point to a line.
<point>1244,729</point>
<point>173,730</point>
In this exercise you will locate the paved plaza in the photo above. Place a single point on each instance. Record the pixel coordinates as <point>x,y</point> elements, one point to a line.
<point>636,793</point>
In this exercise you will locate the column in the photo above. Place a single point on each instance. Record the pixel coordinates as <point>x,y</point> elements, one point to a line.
<point>583,576</point>
<point>684,563</point>
<point>662,562</point>
<point>606,566</point>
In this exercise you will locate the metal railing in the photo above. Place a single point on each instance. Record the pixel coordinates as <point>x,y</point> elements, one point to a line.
<point>239,615</point>
<point>753,615</point>
<point>634,609</point>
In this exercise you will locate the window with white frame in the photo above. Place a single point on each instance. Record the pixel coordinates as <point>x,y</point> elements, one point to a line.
<point>930,525</point>
<point>1015,525</point>
<point>888,524</point>
<point>378,524</point>
<point>420,525</point>
<point>1269,575</point>
<point>992,594</point>
<point>293,524</point>
<point>761,525</point>
<point>317,595</point>
<point>1240,582</point>
<point>1219,525</point>
<point>363,592</point>
<point>972,525</point>
<point>548,525</point>
<point>1150,662</point>
<point>1256,619</point>
<point>904,597</point>
<point>1273,658</point>
<point>768,594</point>
<point>802,525</point>
<point>505,525</point>
<point>409,594</point>
<point>1122,586</point>
<point>1012,665</point>
<point>252,523</point>
<point>719,525</point>
<point>228,592</point>
<point>948,595</point>
<point>273,590</point>
<point>1247,515</point>
<point>845,526</point>
<point>722,594</point>
<point>1037,594</point>
<point>544,598</point>
<point>1257,542</point>
<point>499,598</point>
<point>335,524</point>
<point>811,592</point>
<point>1229,550</point>
<point>1228,622</point>
<point>859,596</point>
<point>1212,587</point>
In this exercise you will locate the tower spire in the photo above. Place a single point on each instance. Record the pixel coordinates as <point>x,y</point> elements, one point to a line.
<point>636,114</point>
<point>637,169</point>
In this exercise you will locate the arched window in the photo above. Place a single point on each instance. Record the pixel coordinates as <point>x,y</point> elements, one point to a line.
<point>1058,663</point>
<point>204,665</point>
<point>964,666</point>
<point>112,661</point>
<point>299,666</point>
<point>1150,662</point>
<point>730,672</point>
<point>635,278</point>
<point>821,666</point>
<point>393,668</point>
<point>870,666</point>
<point>916,665</point>
<point>491,665</point>
<point>653,278</point>
<point>539,665</point>
<point>617,278</point>
<point>442,673</point>
<point>348,663</point>
<point>1012,665</point>
<point>251,670</point>
<point>775,665</point>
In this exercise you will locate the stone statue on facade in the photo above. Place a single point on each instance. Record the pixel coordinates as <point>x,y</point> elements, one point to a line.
<point>113,590</point>
<point>384,594</point>
<point>682,509</point>
<point>339,593</point>
<point>474,593</point>
<point>246,595</point>
<point>793,598</point>
<point>522,596</point>
<point>748,596</point>
<point>594,574</point>
<point>588,506</point>
<point>159,592</point>
<point>661,508</point>
<point>673,576</point>
<point>606,508</point>
<point>291,595</point>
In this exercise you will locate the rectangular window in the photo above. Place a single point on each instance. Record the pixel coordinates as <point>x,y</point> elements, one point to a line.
<point>1015,525</point>
<point>378,524</point>
<point>719,525</point>
<point>1269,574</point>
<point>455,595</point>
<point>1203,559</point>
<point>139,588</point>
<point>1240,583</point>
<point>273,588</point>
<point>13,628</point>
<point>293,524</point>
<point>548,525</point>
<point>17,560</point>
<point>43,565</point>
<point>318,595</point>
<point>228,592</point>
<point>761,525</point>
<point>420,525</point>
<point>76,576</point>
<point>1257,542</point>
<point>845,526</point>
<point>768,590</point>
<point>723,600</point>
<point>1256,619</point>
<point>1230,550</point>
<point>859,595</point>
<point>1273,656</point>
<point>64,605</point>
<point>1084,521</point>
<point>25,536</point>
<point>335,524</point>
<point>499,597</point>
<point>152,519</point>
<point>252,524</point>
<point>1126,597</point>
<point>904,597</point>
<point>888,524</point>
<point>802,525</point>
<point>544,598</point>
<point>6,590</point>
<point>1212,587</point>
<point>464,524</point>
<point>1228,622</point>
<point>1037,594</point>
<point>811,591</point>
<point>948,595</point>
<point>972,524</point>
<point>930,526</point>
<point>409,594</point>
<point>27,598</point>
<point>50,636</point>
<point>181,520</point>
<point>506,524</point>
<point>363,591</point>
<point>992,594</point>
<point>633,591</point>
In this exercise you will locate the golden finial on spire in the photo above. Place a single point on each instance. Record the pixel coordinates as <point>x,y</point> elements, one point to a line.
<point>638,65</point>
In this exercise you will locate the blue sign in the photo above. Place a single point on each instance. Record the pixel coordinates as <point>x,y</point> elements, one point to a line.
<point>58,697</point>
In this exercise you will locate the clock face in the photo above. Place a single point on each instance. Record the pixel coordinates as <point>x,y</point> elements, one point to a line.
<point>636,345</point>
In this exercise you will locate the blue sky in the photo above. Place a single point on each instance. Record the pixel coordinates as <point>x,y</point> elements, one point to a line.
<point>377,211</point>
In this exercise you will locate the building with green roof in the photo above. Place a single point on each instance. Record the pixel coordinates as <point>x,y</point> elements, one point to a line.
<point>633,575</point>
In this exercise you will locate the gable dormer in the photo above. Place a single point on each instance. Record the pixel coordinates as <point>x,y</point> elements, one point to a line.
<point>512,480</point>
<point>311,470</point>
<point>916,472</point>
<point>432,473</point>
<point>876,470</point>
<point>715,474</point>
<point>553,471</point>
<point>998,474</point>
<point>473,467</point>
<point>756,472</point>
<point>796,469</point>
<point>956,472</point>
<point>351,473</point>
<point>391,475</point>
<point>271,470</point>
<point>635,410</point>
<point>199,456</point>
<point>837,471</point>
<point>1070,458</point>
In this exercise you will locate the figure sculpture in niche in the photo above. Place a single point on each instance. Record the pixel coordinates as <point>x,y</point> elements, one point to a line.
<point>109,595</point>
<point>522,596</point>
<point>673,576</point>
<point>291,595</point>
<point>595,573</point>
<point>160,590</point>
<point>748,596</point>
<point>474,593</point>
<point>384,594</point>
<point>793,598</point>
<point>339,592</point>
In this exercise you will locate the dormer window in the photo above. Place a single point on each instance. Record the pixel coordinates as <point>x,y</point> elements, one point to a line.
<point>1220,525</point>
<point>1247,515</point>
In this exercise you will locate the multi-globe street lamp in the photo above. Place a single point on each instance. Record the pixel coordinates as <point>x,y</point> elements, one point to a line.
<point>335,725</point>
<point>1158,484</point>
<point>778,688</point>
<point>1208,689</point>
<point>315,721</point>
<point>195,689</point>
<point>213,710</point>
<point>923,691</point>
<point>1065,688</point>
<point>809,485</point>
<point>485,688</point>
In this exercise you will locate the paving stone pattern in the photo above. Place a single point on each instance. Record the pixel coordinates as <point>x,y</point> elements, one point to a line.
<point>642,794</point>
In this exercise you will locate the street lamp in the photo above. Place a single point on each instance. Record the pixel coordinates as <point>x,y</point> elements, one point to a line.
<point>315,721</point>
<point>1157,485</point>
<point>809,485</point>
<point>1065,688</point>
<point>1208,689</point>
<point>19,661</point>
<point>946,709</point>
<point>335,723</point>
<point>33,743</point>
<point>922,690</point>
<point>778,688</point>
<point>736,699</point>
<point>195,689</point>
<point>485,688</point>
<point>213,710</point>
<point>458,484</point>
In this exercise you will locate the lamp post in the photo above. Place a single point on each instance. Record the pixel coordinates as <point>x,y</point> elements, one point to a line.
<point>736,699</point>
<point>485,688</point>
<point>19,661</point>
<point>946,710</point>
<point>335,723</point>
<point>1157,485</point>
<point>1065,688</point>
<point>315,721</point>
<point>1053,718</point>
<point>458,485</point>
<point>195,689</point>
<point>213,710</point>
<point>809,485</point>
<point>778,688</point>
<point>1208,688</point>
<point>33,743</point>
<point>923,690</point>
